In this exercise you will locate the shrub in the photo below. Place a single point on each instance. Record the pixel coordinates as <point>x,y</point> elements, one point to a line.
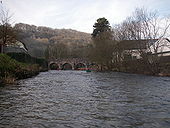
<point>10,68</point>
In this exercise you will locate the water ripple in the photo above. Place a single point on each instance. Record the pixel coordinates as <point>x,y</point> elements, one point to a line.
<point>76,99</point>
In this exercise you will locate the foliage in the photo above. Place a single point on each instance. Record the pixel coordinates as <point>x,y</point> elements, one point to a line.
<point>8,64</point>
<point>39,40</point>
<point>137,35</point>
<point>10,68</point>
<point>26,58</point>
<point>102,49</point>
<point>7,33</point>
<point>102,25</point>
<point>144,26</point>
<point>60,50</point>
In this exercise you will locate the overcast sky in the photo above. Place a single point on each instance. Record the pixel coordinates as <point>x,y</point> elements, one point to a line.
<point>78,14</point>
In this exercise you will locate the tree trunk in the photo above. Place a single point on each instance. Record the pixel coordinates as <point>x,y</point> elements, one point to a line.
<point>1,49</point>
<point>101,67</point>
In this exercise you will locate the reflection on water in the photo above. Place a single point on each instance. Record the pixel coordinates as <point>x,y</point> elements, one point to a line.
<point>78,99</point>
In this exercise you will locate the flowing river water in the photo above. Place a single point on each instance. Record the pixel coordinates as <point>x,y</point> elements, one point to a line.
<point>79,99</point>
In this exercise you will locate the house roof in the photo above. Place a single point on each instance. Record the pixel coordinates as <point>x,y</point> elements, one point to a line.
<point>161,53</point>
<point>22,45</point>
<point>135,44</point>
<point>18,44</point>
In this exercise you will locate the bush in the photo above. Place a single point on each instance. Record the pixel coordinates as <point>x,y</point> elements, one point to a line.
<point>10,68</point>
<point>7,65</point>
<point>26,58</point>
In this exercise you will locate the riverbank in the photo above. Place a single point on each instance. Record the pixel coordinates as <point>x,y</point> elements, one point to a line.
<point>161,74</point>
<point>165,72</point>
<point>12,70</point>
<point>141,67</point>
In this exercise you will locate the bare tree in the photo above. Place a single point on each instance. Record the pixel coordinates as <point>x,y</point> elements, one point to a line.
<point>7,33</point>
<point>56,51</point>
<point>146,28</point>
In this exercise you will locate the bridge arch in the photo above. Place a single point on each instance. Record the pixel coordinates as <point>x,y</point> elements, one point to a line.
<point>67,66</point>
<point>54,66</point>
<point>69,63</point>
<point>80,66</point>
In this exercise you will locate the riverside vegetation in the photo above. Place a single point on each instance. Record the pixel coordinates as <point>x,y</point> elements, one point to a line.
<point>107,47</point>
<point>12,70</point>
<point>134,45</point>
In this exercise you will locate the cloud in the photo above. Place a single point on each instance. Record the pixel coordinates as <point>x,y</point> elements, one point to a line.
<point>78,14</point>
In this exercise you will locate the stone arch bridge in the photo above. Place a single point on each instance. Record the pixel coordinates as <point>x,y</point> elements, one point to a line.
<point>69,64</point>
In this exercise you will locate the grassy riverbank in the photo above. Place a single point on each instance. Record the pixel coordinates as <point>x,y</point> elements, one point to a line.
<point>12,70</point>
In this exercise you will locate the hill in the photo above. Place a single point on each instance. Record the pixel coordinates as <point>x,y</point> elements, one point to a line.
<point>38,38</point>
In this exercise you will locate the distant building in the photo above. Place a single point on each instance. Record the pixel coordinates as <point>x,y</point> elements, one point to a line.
<point>18,47</point>
<point>133,48</point>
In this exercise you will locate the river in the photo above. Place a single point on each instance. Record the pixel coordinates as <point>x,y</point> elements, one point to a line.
<point>77,99</point>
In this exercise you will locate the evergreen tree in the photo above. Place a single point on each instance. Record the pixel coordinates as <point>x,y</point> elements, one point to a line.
<point>101,52</point>
<point>102,25</point>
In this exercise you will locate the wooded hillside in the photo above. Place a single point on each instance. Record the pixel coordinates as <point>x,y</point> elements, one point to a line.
<point>37,39</point>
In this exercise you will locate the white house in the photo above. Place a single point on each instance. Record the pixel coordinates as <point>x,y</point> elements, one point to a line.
<point>161,47</point>
<point>134,48</point>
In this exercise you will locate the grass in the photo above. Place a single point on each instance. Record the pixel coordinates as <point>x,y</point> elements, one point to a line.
<point>11,70</point>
